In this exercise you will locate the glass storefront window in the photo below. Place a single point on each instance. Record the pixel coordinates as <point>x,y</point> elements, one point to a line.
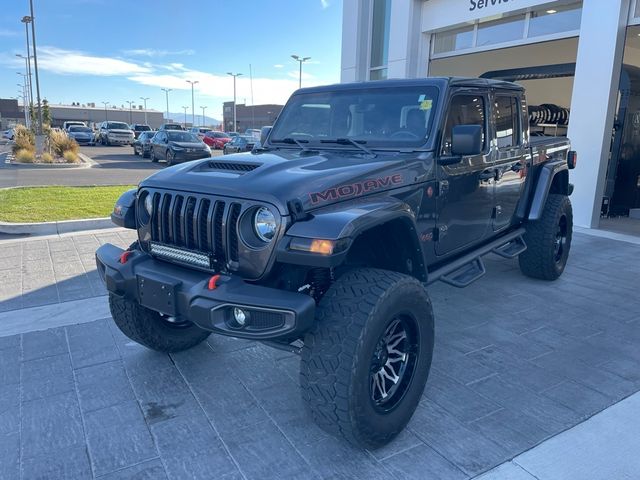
<point>555,20</point>
<point>381,20</point>
<point>453,40</point>
<point>378,74</point>
<point>503,30</point>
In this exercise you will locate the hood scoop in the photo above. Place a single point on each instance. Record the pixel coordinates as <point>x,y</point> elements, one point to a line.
<point>240,168</point>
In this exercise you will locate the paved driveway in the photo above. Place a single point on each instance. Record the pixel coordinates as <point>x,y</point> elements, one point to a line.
<point>116,166</point>
<point>516,361</point>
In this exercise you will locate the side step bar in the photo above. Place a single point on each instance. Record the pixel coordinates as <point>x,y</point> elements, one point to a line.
<point>465,270</point>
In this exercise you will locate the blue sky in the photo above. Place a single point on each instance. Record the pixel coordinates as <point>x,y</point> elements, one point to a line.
<point>119,50</point>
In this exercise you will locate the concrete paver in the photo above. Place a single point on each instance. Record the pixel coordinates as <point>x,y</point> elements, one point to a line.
<point>517,361</point>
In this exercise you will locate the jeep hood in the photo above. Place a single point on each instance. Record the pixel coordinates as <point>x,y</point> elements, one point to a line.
<point>315,180</point>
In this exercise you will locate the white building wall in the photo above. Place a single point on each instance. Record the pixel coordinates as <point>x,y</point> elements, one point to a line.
<point>593,104</point>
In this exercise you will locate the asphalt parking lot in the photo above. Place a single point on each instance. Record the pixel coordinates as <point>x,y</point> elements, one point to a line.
<point>116,165</point>
<point>517,361</point>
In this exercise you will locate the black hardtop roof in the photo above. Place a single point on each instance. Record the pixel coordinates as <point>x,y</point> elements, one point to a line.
<point>441,82</point>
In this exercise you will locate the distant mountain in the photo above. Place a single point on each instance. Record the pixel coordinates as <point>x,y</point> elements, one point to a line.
<point>179,118</point>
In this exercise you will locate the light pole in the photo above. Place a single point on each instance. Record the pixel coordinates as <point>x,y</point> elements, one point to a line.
<point>144,99</point>
<point>26,20</point>
<point>203,109</point>
<point>185,116</point>
<point>300,60</point>
<point>166,92</point>
<point>234,75</point>
<point>130,102</point>
<point>27,67</point>
<point>25,99</point>
<point>105,110</point>
<point>193,107</point>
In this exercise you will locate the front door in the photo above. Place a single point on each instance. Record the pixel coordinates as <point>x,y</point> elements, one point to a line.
<point>509,160</point>
<point>465,189</point>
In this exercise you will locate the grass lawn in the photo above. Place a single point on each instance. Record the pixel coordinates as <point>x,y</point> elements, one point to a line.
<point>48,204</point>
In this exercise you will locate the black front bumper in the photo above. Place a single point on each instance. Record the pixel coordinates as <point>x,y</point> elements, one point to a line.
<point>185,294</point>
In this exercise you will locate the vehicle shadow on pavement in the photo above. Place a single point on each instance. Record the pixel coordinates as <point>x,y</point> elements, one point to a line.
<point>516,361</point>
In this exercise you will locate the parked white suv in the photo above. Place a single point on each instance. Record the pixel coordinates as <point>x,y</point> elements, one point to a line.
<point>115,133</point>
<point>72,123</point>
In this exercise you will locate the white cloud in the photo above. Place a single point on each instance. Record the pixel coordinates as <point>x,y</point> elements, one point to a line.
<point>154,52</point>
<point>8,33</point>
<point>324,3</point>
<point>278,65</point>
<point>69,62</point>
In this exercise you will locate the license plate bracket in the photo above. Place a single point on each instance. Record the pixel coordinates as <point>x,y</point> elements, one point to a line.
<point>158,295</point>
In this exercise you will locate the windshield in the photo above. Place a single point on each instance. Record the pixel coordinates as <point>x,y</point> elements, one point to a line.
<point>117,126</point>
<point>80,129</point>
<point>176,136</point>
<point>382,117</point>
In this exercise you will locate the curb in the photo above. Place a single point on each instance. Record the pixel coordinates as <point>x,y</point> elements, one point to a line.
<point>85,162</point>
<point>54,228</point>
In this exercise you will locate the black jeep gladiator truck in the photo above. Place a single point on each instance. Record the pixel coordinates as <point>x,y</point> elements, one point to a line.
<point>324,240</point>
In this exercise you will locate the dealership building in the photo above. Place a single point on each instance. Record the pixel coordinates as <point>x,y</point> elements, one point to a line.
<point>579,62</point>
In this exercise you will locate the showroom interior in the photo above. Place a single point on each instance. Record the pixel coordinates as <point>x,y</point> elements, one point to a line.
<point>579,82</point>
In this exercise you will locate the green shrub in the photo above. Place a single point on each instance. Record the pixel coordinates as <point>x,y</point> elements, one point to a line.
<point>46,157</point>
<point>59,143</point>
<point>24,140</point>
<point>25,156</point>
<point>70,156</point>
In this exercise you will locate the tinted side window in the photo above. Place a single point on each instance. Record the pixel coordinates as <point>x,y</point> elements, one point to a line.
<point>507,121</point>
<point>464,110</point>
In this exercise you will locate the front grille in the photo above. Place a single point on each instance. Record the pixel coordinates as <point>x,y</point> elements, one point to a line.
<point>194,225</point>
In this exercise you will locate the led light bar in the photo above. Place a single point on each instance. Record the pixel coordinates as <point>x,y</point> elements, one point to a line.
<point>179,255</point>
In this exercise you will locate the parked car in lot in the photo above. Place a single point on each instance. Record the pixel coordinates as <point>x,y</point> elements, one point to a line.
<point>170,126</point>
<point>142,144</point>
<point>138,128</point>
<point>199,131</point>
<point>175,147</point>
<point>82,135</point>
<point>216,140</point>
<point>253,132</point>
<point>9,134</point>
<point>324,243</point>
<point>232,134</point>
<point>72,123</point>
<point>240,143</point>
<point>115,133</point>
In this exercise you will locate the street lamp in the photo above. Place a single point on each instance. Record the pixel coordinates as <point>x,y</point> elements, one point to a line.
<point>25,99</point>
<point>193,108</point>
<point>130,102</point>
<point>26,20</point>
<point>105,110</point>
<point>203,109</point>
<point>300,60</point>
<point>166,92</point>
<point>185,116</point>
<point>234,75</point>
<point>144,99</point>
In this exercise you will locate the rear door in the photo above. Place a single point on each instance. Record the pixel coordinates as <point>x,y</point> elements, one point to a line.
<point>465,197</point>
<point>509,157</point>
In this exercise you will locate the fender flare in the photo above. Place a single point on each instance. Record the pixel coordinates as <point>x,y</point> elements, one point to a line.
<point>124,211</point>
<point>345,222</point>
<point>543,186</point>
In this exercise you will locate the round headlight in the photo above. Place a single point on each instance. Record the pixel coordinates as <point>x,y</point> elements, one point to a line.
<point>148,203</point>
<point>264,224</point>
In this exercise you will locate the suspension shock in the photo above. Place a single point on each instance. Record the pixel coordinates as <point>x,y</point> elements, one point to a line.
<point>320,280</point>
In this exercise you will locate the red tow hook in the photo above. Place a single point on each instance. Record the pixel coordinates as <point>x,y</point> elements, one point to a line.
<point>213,282</point>
<point>125,256</point>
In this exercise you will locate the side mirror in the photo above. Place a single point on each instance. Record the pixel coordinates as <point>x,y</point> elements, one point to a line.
<point>264,133</point>
<point>466,140</point>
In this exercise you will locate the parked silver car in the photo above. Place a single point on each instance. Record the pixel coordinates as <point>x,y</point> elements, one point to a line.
<point>115,133</point>
<point>82,135</point>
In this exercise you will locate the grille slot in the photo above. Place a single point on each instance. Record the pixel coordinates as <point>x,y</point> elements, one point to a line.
<point>203,214</point>
<point>233,231</point>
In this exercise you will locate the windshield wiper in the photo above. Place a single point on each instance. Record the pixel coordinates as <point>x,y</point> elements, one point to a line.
<point>292,141</point>
<point>351,141</point>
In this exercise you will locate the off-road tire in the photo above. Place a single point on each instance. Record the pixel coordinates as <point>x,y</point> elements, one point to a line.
<point>541,259</point>
<point>150,329</point>
<point>336,368</point>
